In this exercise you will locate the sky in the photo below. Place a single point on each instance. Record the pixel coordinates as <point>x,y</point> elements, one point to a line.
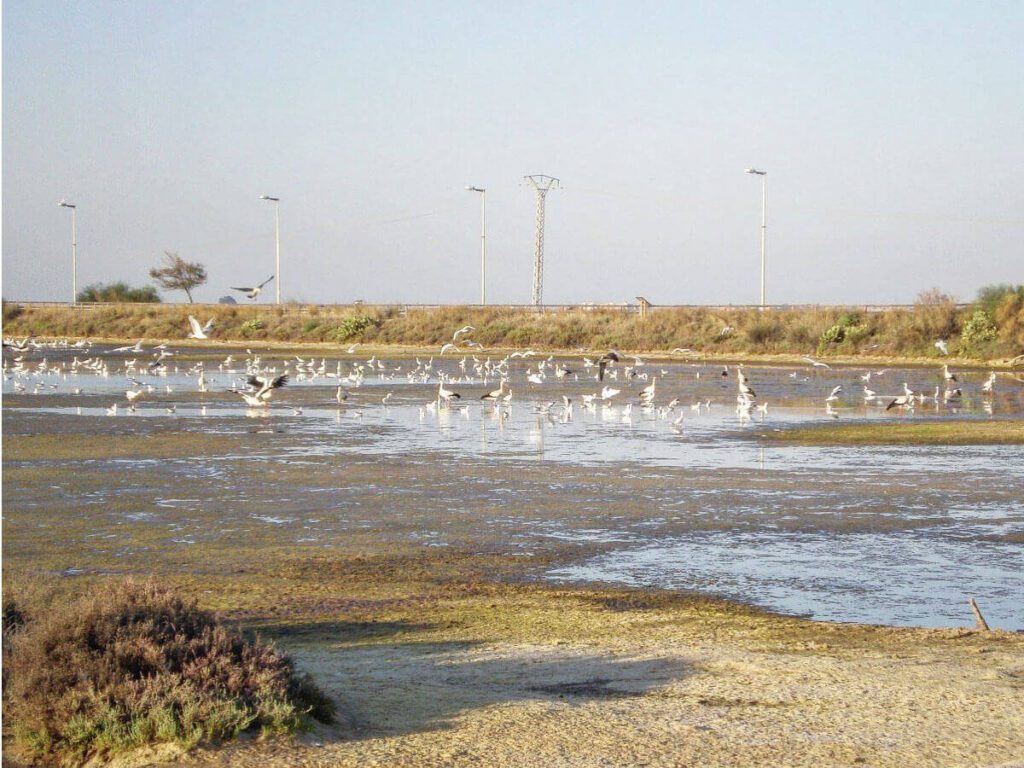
<point>892,134</point>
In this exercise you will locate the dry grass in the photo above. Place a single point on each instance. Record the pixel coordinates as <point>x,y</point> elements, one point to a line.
<point>897,332</point>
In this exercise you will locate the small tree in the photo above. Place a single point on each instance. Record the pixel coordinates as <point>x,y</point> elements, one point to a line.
<point>178,275</point>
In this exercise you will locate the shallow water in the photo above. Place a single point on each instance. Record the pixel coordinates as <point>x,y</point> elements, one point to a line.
<point>898,535</point>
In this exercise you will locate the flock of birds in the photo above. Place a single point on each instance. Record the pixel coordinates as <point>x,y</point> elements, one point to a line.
<point>621,382</point>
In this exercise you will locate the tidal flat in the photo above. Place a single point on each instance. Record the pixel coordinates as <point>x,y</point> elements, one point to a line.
<point>529,590</point>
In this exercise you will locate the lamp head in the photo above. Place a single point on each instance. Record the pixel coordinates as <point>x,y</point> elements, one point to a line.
<point>268,197</point>
<point>755,171</point>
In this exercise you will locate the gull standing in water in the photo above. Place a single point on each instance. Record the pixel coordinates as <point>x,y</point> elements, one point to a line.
<point>446,395</point>
<point>497,393</point>
<point>990,382</point>
<point>647,393</point>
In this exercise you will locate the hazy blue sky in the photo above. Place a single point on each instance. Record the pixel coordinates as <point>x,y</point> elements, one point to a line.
<point>893,134</point>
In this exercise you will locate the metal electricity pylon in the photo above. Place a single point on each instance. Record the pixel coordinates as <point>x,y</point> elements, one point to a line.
<point>541,184</point>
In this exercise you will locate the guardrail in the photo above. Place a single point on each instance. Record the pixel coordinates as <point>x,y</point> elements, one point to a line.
<point>303,309</point>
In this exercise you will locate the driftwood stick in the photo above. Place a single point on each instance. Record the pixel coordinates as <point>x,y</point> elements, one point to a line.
<point>979,620</point>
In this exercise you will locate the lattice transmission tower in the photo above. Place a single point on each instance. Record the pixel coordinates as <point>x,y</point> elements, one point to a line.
<point>542,184</point>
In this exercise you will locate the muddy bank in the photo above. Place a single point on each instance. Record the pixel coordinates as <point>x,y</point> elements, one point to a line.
<point>1002,432</point>
<point>434,663</point>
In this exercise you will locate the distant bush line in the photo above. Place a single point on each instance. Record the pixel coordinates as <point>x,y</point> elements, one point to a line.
<point>118,292</point>
<point>990,329</point>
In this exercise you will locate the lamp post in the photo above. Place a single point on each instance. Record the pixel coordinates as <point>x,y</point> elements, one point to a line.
<point>277,244</point>
<point>483,241</point>
<point>764,220</point>
<point>74,249</point>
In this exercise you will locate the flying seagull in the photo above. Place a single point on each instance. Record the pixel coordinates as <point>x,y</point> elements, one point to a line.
<point>265,386</point>
<point>252,293</point>
<point>199,331</point>
<point>602,363</point>
<point>817,363</point>
<point>137,347</point>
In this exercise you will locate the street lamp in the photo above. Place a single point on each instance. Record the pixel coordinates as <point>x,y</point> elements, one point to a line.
<point>764,219</point>
<point>277,243</point>
<point>74,249</point>
<point>483,241</point>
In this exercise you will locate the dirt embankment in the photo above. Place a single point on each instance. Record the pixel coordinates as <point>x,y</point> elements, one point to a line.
<point>542,677</point>
<point>433,665</point>
<point>905,333</point>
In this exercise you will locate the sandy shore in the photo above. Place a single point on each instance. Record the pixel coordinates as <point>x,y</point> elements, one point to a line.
<point>537,677</point>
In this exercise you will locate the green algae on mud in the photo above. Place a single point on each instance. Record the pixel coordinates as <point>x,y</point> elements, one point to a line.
<point>947,432</point>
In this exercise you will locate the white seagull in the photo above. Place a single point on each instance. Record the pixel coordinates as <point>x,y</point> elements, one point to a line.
<point>199,331</point>
<point>817,363</point>
<point>265,389</point>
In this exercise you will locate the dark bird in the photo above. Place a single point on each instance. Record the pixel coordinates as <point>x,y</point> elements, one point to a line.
<point>252,293</point>
<point>608,357</point>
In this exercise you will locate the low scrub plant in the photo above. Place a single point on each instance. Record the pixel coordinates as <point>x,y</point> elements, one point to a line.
<point>848,326</point>
<point>251,327</point>
<point>118,292</point>
<point>979,329</point>
<point>131,665</point>
<point>351,326</point>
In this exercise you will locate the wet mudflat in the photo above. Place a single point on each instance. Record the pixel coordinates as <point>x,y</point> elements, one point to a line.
<point>690,499</point>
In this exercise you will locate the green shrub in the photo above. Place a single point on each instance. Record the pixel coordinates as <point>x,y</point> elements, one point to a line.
<point>118,292</point>
<point>132,664</point>
<point>845,326</point>
<point>350,327</point>
<point>979,329</point>
<point>250,327</point>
